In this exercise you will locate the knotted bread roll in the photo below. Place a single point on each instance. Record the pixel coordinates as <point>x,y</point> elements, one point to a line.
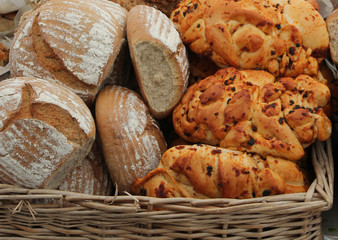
<point>202,171</point>
<point>250,110</point>
<point>284,37</point>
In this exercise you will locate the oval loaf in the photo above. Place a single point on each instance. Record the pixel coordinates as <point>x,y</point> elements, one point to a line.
<point>71,42</point>
<point>131,140</point>
<point>45,131</point>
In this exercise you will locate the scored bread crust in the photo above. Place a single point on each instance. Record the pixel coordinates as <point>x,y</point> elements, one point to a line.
<point>284,37</point>
<point>131,140</point>
<point>159,58</point>
<point>91,176</point>
<point>250,110</point>
<point>202,171</point>
<point>45,131</point>
<point>73,43</point>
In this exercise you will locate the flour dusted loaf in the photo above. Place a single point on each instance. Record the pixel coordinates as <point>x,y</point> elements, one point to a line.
<point>45,131</point>
<point>71,42</point>
<point>91,176</point>
<point>202,171</point>
<point>159,58</point>
<point>252,111</point>
<point>131,140</point>
<point>286,37</point>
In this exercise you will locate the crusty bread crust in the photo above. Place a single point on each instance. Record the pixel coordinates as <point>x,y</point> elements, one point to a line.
<point>159,58</point>
<point>202,171</point>
<point>91,176</point>
<point>332,26</point>
<point>250,110</point>
<point>45,131</point>
<point>73,43</point>
<point>131,140</point>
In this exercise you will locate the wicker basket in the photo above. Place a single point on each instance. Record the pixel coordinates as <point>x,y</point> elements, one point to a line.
<point>25,213</point>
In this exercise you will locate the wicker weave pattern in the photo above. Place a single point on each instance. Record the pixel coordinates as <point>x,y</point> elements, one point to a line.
<point>51,214</point>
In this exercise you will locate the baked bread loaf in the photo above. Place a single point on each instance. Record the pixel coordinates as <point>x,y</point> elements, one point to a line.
<point>45,131</point>
<point>131,140</point>
<point>159,58</point>
<point>91,176</point>
<point>284,37</point>
<point>165,6</point>
<point>332,27</point>
<point>202,171</point>
<point>250,110</point>
<point>73,43</point>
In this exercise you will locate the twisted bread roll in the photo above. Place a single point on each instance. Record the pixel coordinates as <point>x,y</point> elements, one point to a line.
<point>284,37</point>
<point>73,43</point>
<point>251,111</point>
<point>202,171</point>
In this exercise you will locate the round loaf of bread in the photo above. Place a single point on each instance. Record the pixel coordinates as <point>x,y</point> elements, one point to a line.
<point>159,58</point>
<point>73,43</point>
<point>45,131</point>
<point>91,176</point>
<point>131,140</point>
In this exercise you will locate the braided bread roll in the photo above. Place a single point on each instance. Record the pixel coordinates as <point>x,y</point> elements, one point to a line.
<point>284,37</point>
<point>250,110</point>
<point>202,171</point>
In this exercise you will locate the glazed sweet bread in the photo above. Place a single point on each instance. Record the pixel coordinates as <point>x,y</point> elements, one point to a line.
<point>252,111</point>
<point>277,36</point>
<point>202,171</point>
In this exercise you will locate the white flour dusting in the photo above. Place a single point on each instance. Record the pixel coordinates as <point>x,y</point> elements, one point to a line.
<point>160,27</point>
<point>19,144</point>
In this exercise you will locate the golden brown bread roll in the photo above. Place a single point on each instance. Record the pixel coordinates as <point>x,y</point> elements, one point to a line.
<point>73,43</point>
<point>202,171</point>
<point>284,37</point>
<point>4,54</point>
<point>250,110</point>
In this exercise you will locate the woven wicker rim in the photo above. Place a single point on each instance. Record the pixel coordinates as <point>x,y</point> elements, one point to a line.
<point>318,197</point>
